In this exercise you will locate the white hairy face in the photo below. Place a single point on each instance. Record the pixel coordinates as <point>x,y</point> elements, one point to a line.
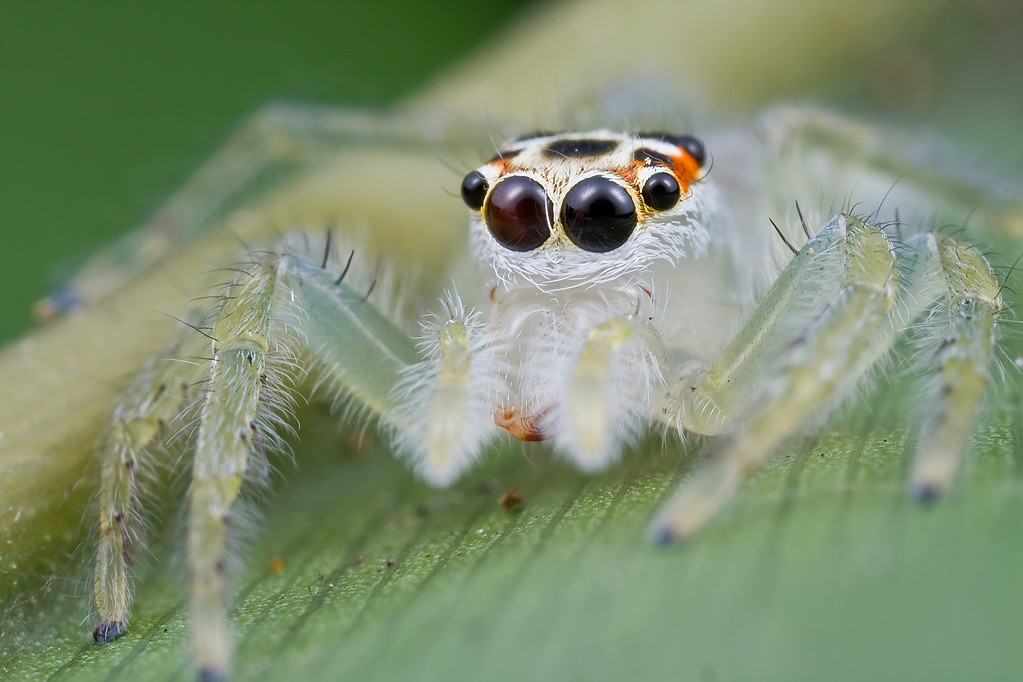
<point>558,211</point>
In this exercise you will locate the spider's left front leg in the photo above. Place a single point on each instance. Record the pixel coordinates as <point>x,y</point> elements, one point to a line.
<point>836,339</point>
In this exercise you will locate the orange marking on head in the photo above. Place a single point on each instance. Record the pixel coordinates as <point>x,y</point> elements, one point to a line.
<point>631,172</point>
<point>686,169</point>
<point>502,164</point>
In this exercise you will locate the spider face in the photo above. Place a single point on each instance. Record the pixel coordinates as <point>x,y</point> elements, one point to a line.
<point>586,207</point>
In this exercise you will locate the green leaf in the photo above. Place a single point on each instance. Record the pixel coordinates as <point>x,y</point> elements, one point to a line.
<point>820,569</point>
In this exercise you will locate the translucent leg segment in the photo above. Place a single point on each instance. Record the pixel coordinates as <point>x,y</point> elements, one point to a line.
<point>147,408</point>
<point>707,400</point>
<point>876,300</point>
<point>249,353</point>
<point>257,332</point>
<point>824,361</point>
<point>276,147</point>
<point>958,344</point>
<point>361,351</point>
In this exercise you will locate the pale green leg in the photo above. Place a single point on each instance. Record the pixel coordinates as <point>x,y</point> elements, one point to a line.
<point>959,342</point>
<point>875,300</point>
<point>147,410</point>
<point>273,150</point>
<point>230,424</point>
<point>824,361</point>
<point>707,400</point>
<point>891,168</point>
<point>285,302</point>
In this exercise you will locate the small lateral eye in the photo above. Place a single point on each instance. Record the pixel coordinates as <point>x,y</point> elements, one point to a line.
<point>598,215</point>
<point>474,190</point>
<point>661,191</point>
<point>519,213</point>
<point>693,147</point>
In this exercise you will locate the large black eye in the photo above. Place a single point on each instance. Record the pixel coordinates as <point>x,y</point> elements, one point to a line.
<point>661,191</point>
<point>598,215</point>
<point>474,190</point>
<point>519,213</point>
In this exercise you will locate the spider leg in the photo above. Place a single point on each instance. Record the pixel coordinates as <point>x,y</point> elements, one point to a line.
<point>880,294</point>
<point>253,352</point>
<point>841,341</point>
<point>283,304</point>
<point>271,153</point>
<point>146,407</point>
<point>435,401</point>
<point>957,346</point>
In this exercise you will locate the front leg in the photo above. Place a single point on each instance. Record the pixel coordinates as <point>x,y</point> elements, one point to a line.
<point>841,339</point>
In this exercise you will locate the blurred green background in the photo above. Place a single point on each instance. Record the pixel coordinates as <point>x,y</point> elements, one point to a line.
<point>107,107</point>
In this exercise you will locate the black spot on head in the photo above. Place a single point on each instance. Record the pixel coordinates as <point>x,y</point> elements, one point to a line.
<point>650,157</point>
<point>579,149</point>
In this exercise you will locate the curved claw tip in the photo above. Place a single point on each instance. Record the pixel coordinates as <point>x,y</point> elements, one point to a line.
<point>107,630</point>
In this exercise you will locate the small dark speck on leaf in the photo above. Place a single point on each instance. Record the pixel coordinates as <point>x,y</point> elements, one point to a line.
<point>511,500</point>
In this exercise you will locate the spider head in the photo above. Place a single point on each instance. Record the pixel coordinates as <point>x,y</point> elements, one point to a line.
<point>562,210</point>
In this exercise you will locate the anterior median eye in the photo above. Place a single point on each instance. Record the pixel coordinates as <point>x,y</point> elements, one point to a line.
<point>661,191</point>
<point>598,215</point>
<point>519,213</point>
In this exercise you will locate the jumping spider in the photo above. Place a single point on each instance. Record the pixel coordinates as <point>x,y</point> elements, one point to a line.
<point>624,287</point>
